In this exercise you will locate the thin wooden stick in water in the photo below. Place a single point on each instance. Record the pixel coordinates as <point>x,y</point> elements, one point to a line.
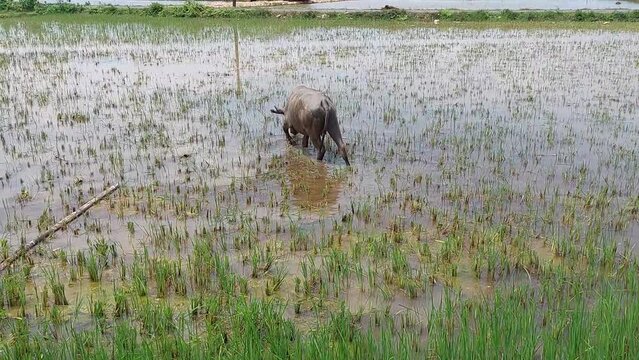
<point>59,225</point>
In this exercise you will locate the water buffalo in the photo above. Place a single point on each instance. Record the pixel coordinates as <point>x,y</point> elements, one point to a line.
<point>311,113</point>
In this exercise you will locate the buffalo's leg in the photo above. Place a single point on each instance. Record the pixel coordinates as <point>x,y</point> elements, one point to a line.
<point>336,135</point>
<point>305,141</point>
<point>319,145</point>
<point>345,155</point>
<point>288,136</point>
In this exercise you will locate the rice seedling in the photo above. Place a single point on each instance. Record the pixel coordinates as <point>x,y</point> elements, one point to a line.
<point>275,282</point>
<point>57,288</point>
<point>13,289</point>
<point>122,303</point>
<point>164,276</point>
<point>97,309</point>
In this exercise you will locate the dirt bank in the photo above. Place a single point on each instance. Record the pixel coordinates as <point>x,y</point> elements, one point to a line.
<point>263,3</point>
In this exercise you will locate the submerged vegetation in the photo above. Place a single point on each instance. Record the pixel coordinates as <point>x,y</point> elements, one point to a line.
<point>491,211</point>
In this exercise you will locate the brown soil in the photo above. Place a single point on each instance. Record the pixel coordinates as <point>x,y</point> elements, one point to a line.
<point>262,3</point>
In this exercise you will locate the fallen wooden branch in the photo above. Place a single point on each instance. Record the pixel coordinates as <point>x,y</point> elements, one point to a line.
<point>59,225</point>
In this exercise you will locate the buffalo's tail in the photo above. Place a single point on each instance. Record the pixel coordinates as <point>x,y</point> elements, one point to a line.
<point>327,114</point>
<point>277,110</point>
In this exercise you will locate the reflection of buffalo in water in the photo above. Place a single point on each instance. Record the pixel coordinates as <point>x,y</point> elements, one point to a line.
<point>311,185</point>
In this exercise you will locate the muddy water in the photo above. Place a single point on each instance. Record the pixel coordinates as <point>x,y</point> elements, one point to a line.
<point>534,130</point>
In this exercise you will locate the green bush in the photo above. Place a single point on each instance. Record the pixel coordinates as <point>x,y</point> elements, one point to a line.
<point>154,9</point>
<point>110,9</point>
<point>190,9</point>
<point>620,16</point>
<point>481,15</point>
<point>445,14</point>
<point>28,5</point>
<point>61,8</point>
<point>509,15</point>
<point>585,16</point>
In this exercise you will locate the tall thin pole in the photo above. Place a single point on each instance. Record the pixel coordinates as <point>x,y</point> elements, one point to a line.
<point>238,91</point>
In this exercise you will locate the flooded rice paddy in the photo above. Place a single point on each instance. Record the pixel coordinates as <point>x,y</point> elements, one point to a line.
<point>482,159</point>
